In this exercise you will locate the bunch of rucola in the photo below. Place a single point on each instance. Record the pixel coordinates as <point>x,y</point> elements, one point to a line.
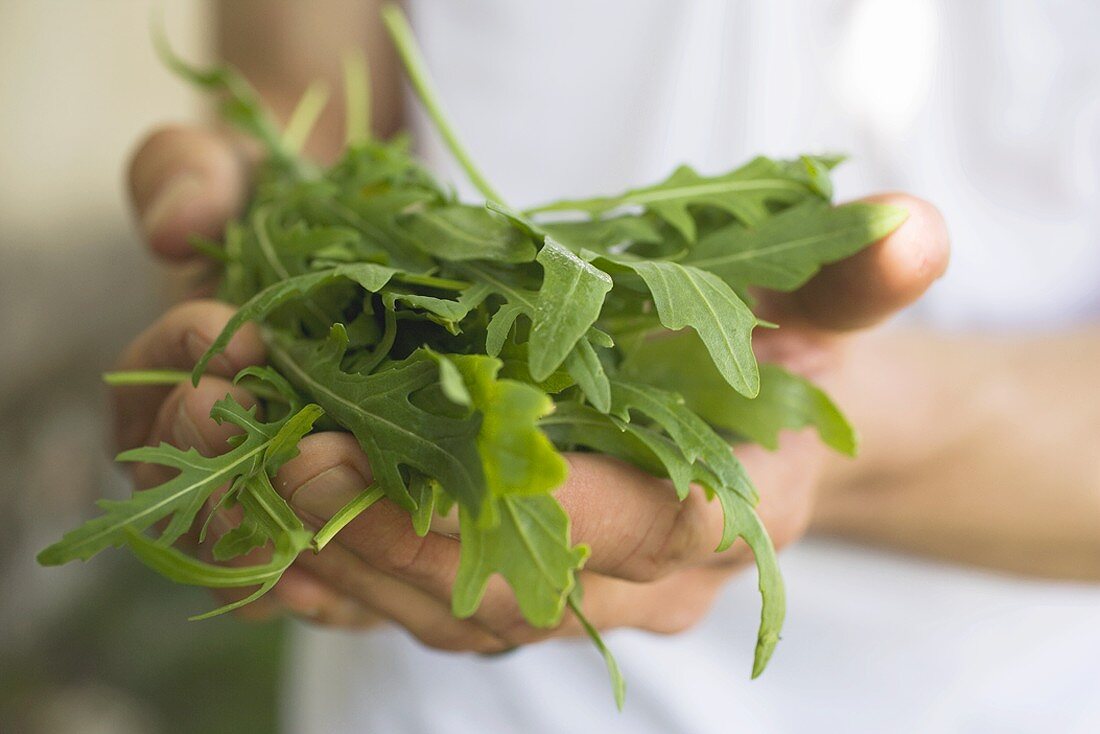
<point>466,345</point>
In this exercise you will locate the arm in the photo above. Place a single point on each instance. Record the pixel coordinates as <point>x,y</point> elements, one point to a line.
<point>977,449</point>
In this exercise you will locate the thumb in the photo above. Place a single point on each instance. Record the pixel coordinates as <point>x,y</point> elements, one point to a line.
<point>187,180</point>
<point>877,282</point>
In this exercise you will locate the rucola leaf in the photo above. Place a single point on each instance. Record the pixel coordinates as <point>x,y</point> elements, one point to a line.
<point>569,302</point>
<point>530,547</point>
<point>460,232</point>
<point>392,430</point>
<point>744,194</point>
<point>788,249</point>
<point>694,438</point>
<point>741,521</point>
<point>246,469</point>
<point>686,296</point>
<point>179,499</point>
<point>517,457</point>
<point>785,401</point>
<point>368,275</point>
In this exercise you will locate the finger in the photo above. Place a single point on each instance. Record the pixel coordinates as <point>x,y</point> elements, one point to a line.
<point>426,617</point>
<point>329,472</point>
<point>668,606</point>
<point>633,522</point>
<point>377,559</point>
<point>186,180</point>
<point>308,597</point>
<point>881,279</point>
<point>638,530</point>
<point>183,420</point>
<point>176,341</point>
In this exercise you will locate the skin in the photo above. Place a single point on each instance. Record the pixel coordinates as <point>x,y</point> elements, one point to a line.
<point>979,488</point>
<point>976,448</point>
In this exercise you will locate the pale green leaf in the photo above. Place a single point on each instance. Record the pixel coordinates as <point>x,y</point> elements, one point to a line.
<point>569,302</point>
<point>530,547</point>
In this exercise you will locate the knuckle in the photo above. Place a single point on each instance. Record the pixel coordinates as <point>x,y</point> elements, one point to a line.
<point>406,557</point>
<point>692,601</point>
<point>677,620</point>
<point>450,638</point>
<point>200,313</point>
<point>671,542</point>
<point>155,156</point>
<point>515,631</point>
<point>648,559</point>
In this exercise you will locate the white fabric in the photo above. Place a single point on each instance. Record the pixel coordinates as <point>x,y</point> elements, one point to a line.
<point>991,110</point>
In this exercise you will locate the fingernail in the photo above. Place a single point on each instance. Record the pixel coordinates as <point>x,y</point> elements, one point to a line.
<point>445,524</point>
<point>170,198</point>
<point>185,433</point>
<point>329,491</point>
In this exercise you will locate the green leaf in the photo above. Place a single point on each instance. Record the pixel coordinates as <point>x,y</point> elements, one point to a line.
<point>284,446</point>
<point>694,438</point>
<point>584,366</point>
<point>742,521</point>
<point>569,302</point>
<point>368,275</point>
<point>788,249</point>
<point>603,235</point>
<point>517,457</point>
<point>391,429</point>
<point>499,327</point>
<point>786,401</point>
<point>529,546</point>
<point>618,683</point>
<point>689,297</point>
<point>266,383</point>
<point>573,424</point>
<point>743,194</point>
<point>247,536</point>
<point>425,491</point>
<point>183,569</point>
<point>460,232</point>
<point>180,498</point>
<point>582,363</point>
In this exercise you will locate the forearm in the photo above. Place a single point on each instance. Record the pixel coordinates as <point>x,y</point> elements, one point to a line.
<point>282,46</point>
<point>982,450</point>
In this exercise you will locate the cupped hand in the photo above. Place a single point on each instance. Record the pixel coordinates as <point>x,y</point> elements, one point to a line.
<point>652,564</point>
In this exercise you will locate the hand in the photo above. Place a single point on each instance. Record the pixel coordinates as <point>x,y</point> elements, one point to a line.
<point>652,564</point>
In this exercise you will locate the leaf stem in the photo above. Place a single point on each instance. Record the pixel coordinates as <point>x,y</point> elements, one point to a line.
<point>398,26</point>
<point>618,683</point>
<point>346,514</point>
<point>357,98</point>
<point>304,117</point>
<point>124,378</point>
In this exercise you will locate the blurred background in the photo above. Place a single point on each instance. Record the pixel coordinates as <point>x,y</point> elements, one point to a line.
<point>103,646</point>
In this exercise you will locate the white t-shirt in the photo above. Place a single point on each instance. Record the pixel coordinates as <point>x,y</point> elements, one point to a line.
<point>989,109</point>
